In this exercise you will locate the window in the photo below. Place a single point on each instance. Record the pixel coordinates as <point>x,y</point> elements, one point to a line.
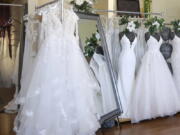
<point>128,5</point>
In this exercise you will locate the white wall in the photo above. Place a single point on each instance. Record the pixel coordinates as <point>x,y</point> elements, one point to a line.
<point>170,8</point>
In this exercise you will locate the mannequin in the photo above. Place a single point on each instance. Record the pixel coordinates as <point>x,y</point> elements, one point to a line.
<point>99,50</point>
<point>166,48</point>
<point>156,36</point>
<point>154,84</point>
<point>130,35</point>
<point>172,35</point>
<point>126,73</point>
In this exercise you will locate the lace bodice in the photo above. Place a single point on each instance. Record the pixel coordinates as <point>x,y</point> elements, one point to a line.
<point>176,44</point>
<point>70,22</point>
<point>153,44</point>
<point>126,44</point>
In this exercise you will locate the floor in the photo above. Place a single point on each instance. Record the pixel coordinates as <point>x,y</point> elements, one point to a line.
<point>6,95</point>
<point>163,126</point>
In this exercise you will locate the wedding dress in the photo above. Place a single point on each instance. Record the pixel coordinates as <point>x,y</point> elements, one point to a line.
<point>6,64</point>
<point>126,75</point>
<point>140,48</point>
<point>59,97</point>
<point>175,59</point>
<point>102,74</point>
<point>154,94</point>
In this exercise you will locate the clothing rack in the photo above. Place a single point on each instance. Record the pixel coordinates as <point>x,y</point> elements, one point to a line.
<point>46,4</point>
<point>52,2</point>
<point>12,5</point>
<point>127,12</point>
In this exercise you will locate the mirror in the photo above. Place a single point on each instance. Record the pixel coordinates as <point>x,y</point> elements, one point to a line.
<point>10,44</point>
<point>94,47</point>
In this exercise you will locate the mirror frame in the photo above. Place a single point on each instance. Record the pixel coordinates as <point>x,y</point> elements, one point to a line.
<point>118,111</point>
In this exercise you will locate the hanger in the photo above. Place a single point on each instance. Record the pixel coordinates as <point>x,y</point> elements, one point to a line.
<point>37,16</point>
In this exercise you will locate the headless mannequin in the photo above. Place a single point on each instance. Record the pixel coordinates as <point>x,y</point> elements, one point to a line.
<point>99,50</point>
<point>156,36</point>
<point>130,35</point>
<point>166,48</point>
<point>172,35</point>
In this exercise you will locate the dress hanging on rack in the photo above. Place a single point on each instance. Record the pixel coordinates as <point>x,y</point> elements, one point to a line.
<point>140,48</point>
<point>154,94</point>
<point>59,96</point>
<point>126,75</point>
<point>103,76</point>
<point>175,61</point>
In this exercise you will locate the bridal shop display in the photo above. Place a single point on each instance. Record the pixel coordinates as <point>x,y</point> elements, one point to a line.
<point>82,71</point>
<point>95,49</point>
<point>153,81</point>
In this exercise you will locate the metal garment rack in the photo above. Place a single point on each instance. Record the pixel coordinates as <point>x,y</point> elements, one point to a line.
<point>100,10</point>
<point>127,12</point>
<point>11,5</point>
<point>49,3</point>
<point>52,2</point>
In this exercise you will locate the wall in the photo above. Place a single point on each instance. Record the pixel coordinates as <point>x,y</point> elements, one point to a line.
<point>170,8</point>
<point>16,13</point>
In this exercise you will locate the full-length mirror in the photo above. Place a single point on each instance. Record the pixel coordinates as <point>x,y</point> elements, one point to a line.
<point>94,46</point>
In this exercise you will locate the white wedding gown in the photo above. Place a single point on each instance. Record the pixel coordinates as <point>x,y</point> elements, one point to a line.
<point>59,98</point>
<point>102,74</point>
<point>154,94</point>
<point>126,75</point>
<point>175,61</point>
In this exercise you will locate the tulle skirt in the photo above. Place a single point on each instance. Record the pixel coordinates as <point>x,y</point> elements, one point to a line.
<point>175,59</point>
<point>155,94</point>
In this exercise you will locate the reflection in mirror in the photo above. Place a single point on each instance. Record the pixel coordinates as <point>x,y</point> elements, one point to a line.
<point>91,44</point>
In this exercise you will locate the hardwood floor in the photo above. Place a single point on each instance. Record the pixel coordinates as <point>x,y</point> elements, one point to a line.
<point>6,124</point>
<point>162,126</point>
